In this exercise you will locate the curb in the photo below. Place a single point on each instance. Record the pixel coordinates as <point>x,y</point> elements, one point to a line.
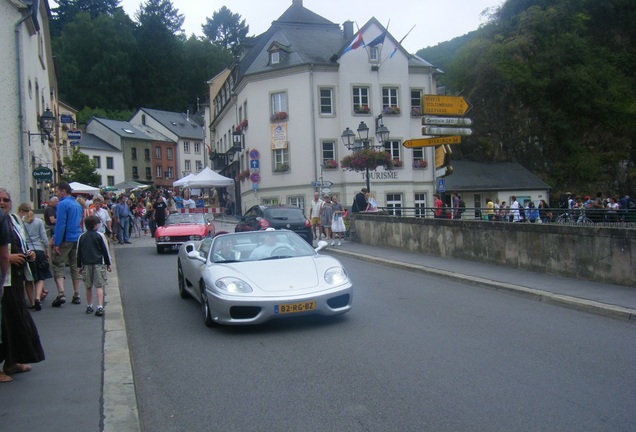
<point>120,411</point>
<point>590,306</point>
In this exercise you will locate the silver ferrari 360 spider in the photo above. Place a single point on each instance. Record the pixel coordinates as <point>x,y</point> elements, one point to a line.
<point>252,277</point>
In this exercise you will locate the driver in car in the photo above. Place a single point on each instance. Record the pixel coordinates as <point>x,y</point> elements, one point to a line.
<point>225,251</point>
<point>270,244</point>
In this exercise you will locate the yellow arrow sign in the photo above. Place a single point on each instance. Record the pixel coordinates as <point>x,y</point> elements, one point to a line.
<point>429,142</point>
<point>444,105</point>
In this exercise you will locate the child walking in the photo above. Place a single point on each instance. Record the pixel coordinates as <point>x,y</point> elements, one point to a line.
<point>93,259</point>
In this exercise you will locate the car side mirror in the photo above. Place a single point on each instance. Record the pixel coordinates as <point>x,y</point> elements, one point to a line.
<point>195,256</point>
<point>321,245</point>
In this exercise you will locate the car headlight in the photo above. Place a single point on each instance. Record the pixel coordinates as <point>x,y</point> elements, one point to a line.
<point>233,285</point>
<point>196,237</point>
<point>164,238</point>
<point>336,276</point>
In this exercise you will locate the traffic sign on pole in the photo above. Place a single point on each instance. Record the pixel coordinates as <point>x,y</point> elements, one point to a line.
<point>446,121</point>
<point>435,130</point>
<point>444,105</point>
<point>431,142</point>
<point>74,135</point>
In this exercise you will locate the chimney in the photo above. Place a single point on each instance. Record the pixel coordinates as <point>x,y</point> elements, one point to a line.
<point>297,3</point>
<point>347,27</point>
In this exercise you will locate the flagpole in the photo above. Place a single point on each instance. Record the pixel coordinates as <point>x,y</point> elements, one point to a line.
<point>397,46</point>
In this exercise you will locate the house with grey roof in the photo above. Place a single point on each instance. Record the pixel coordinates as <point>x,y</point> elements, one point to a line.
<point>186,130</point>
<point>149,157</point>
<point>109,160</point>
<point>278,117</point>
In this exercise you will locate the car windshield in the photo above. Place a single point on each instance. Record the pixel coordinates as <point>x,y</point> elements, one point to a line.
<point>259,245</point>
<point>185,218</point>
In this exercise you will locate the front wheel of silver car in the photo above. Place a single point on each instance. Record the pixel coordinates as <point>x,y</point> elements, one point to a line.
<point>182,283</point>
<point>205,308</point>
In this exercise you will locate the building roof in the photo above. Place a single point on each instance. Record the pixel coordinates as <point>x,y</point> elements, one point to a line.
<point>123,128</point>
<point>476,176</point>
<point>93,142</point>
<point>182,125</point>
<point>155,135</point>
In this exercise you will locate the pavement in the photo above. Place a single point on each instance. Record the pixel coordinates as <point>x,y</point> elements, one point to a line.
<point>86,382</point>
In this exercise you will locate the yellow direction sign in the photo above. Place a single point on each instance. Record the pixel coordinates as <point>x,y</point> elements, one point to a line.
<point>429,142</point>
<point>444,105</point>
<point>442,156</point>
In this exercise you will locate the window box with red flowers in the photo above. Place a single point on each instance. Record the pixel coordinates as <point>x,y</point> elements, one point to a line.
<point>416,112</point>
<point>391,110</point>
<point>361,109</point>
<point>397,163</point>
<point>244,124</point>
<point>279,116</point>
<point>330,164</point>
<point>243,175</point>
<point>420,164</point>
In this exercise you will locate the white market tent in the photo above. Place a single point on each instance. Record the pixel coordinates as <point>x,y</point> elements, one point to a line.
<point>182,181</point>
<point>208,178</point>
<point>79,188</point>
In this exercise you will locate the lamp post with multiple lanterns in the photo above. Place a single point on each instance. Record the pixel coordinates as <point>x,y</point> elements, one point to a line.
<point>349,140</point>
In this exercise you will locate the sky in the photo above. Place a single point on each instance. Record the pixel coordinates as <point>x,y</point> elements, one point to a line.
<point>434,21</point>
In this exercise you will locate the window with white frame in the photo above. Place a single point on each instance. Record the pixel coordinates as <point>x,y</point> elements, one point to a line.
<point>326,101</point>
<point>186,147</point>
<point>419,160</point>
<point>416,102</point>
<point>187,165</point>
<point>98,161</point>
<point>279,102</point>
<point>158,171</point>
<point>360,99</point>
<point>420,204</point>
<point>390,98</point>
<point>169,173</point>
<point>394,204</point>
<point>328,152</point>
<point>269,201</point>
<point>374,54</point>
<point>298,201</point>
<point>280,159</point>
<point>197,148</point>
<point>157,152</point>
<point>393,148</point>
<point>199,165</point>
<point>169,153</point>
<point>274,57</point>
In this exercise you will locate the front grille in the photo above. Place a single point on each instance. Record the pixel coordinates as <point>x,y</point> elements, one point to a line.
<point>244,312</point>
<point>339,301</point>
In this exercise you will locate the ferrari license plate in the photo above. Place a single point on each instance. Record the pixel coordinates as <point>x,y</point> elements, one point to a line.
<point>175,247</point>
<point>295,307</point>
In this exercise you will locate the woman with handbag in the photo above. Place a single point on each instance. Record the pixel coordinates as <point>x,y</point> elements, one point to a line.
<point>40,268</point>
<point>20,338</point>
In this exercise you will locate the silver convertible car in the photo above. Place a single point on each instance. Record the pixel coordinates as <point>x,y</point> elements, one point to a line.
<point>255,276</point>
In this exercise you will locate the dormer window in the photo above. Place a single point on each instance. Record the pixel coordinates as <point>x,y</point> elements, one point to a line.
<point>278,53</point>
<point>274,58</point>
<point>374,54</point>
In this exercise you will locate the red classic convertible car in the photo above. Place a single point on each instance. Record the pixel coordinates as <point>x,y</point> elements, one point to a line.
<point>181,228</point>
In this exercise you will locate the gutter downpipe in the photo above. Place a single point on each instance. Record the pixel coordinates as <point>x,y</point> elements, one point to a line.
<point>313,120</point>
<point>23,166</point>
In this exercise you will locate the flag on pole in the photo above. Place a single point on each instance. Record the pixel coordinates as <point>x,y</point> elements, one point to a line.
<point>377,41</point>
<point>400,43</point>
<point>356,43</point>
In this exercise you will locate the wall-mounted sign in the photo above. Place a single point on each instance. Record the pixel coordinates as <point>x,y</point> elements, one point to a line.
<point>66,119</point>
<point>279,136</point>
<point>42,174</point>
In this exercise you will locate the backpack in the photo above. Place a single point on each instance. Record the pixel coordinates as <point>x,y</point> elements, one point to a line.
<point>462,206</point>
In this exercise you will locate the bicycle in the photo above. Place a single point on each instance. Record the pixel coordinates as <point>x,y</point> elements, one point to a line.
<point>575,216</point>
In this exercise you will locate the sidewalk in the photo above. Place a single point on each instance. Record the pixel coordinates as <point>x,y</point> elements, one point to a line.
<point>79,383</point>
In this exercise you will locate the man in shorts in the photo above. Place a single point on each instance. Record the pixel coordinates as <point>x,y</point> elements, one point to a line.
<point>316,205</point>
<point>67,232</point>
<point>93,258</point>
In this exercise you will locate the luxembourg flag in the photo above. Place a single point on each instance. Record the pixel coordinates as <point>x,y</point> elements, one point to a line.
<point>356,43</point>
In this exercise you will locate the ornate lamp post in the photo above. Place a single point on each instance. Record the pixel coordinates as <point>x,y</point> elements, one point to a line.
<point>349,140</point>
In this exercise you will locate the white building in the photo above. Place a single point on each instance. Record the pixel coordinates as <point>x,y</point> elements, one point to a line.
<point>27,90</point>
<point>109,160</point>
<point>293,92</point>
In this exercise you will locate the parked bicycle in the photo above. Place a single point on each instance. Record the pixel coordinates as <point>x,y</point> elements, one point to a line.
<point>575,216</point>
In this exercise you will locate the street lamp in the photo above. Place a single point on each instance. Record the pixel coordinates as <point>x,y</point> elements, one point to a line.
<point>46,123</point>
<point>349,140</point>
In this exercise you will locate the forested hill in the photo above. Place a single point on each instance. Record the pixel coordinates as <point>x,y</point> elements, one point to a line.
<point>553,87</point>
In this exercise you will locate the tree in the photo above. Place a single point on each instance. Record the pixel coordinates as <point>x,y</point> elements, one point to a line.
<point>95,61</point>
<point>67,10</point>
<point>226,29</point>
<point>79,168</point>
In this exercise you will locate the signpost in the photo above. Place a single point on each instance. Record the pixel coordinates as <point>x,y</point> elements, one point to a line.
<point>321,184</point>
<point>430,142</point>
<point>435,130</point>
<point>441,185</point>
<point>446,121</point>
<point>444,105</point>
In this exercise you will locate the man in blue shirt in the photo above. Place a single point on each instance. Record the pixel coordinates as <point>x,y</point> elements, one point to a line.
<point>122,218</point>
<point>67,231</point>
